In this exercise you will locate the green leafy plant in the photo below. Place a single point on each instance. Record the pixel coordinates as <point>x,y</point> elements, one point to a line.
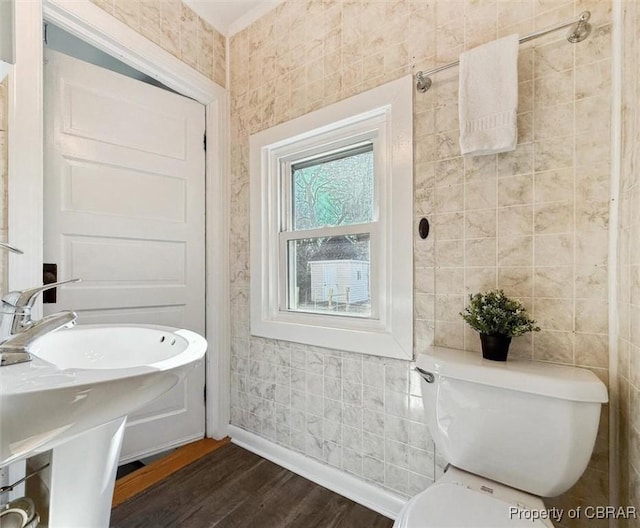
<point>493,313</point>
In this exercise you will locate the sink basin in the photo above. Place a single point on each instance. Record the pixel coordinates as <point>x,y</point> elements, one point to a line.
<point>121,347</point>
<point>86,377</point>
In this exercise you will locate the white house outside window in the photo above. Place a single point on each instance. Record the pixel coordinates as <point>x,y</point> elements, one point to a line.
<point>331,226</point>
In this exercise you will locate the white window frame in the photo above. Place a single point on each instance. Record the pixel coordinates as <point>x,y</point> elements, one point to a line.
<point>384,116</point>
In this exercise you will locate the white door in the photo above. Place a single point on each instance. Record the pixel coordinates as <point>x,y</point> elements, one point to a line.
<point>124,211</point>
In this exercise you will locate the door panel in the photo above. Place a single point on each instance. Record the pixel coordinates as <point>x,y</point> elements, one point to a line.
<point>124,211</point>
<point>94,115</point>
<point>87,186</point>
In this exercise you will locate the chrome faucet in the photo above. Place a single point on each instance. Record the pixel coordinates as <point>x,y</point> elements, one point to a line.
<point>12,249</point>
<point>18,330</point>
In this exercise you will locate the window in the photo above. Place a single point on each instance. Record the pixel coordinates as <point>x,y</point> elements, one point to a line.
<point>331,226</point>
<point>327,232</point>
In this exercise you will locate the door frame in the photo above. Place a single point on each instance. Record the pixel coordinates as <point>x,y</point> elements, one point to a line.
<point>25,168</point>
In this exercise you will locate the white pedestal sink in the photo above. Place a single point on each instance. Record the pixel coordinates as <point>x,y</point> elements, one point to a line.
<point>73,399</point>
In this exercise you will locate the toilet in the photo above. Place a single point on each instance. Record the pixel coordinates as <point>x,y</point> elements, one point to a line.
<point>511,432</point>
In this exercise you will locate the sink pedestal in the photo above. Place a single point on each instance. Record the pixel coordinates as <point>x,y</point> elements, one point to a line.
<point>83,473</point>
<point>71,400</point>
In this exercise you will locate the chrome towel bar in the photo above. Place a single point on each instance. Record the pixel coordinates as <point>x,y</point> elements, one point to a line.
<point>580,30</point>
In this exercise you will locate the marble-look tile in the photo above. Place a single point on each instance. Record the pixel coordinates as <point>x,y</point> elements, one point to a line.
<point>525,128</point>
<point>552,154</point>
<point>480,252</point>
<point>397,478</point>
<point>450,253</point>
<point>448,308</point>
<point>590,149</point>
<point>107,5</point>
<point>449,335</point>
<point>484,27</point>
<point>424,306</point>
<point>480,194</point>
<point>554,346</point>
<point>421,462</point>
<point>423,279</point>
<point>480,168</point>
<point>592,350</point>
<point>548,11</point>
<point>525,97</point>
<point>447,145</point>
<point>592,80</point>
<point>519,161</point>
<point>516,282</point>
<point>515,250</point>
<point>373,469</point>
<point>128,12</point>
<point>481,223</point>
<point>591,316</point>
<point>446,118</point>
<point>597,46</point>
<point>449,280</point>
<point>449,172</point>
<point>418,483</point>
<point>553,57</point>
<point>515,221</point>
<point>532,221</point>
<point>591,281</point>
<point>511,12</point>
<point>448,226</point>
<point>480,279</point>
<point>555,217</point>
<point>554,314</point>
<point>424,332</point>
<point>449,42</point>
<point>590,250</point>
<point>553,184</point>
<point>449,198</point>
<point>554,250</point>
<point>515,190</point>
<point>150,21</point>
<point>177,29</point>
<point>555,88</point>
<point>553,121</point>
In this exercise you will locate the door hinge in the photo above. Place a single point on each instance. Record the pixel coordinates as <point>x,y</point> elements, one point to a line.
<point>205,141</point>
<point>205,393</point>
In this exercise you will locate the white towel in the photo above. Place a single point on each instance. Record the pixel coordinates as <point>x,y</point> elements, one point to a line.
<point>489,97</point>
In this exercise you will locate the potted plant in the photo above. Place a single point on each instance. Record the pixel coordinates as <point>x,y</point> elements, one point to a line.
<point>497,318</point>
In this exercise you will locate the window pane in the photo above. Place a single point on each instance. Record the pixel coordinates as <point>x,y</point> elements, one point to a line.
<point>334,190</point>
<point>330,275</point>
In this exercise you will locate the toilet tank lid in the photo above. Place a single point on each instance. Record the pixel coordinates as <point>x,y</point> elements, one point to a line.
<point>535,377</point>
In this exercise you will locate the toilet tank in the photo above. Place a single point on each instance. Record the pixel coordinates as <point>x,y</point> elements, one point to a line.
<point>526,424</point>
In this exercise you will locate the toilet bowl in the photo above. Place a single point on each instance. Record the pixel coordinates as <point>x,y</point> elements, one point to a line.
<point>461,500</point>
<point>512,432</point>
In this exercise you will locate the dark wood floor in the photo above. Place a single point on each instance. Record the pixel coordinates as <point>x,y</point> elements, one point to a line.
<point>232,487</point>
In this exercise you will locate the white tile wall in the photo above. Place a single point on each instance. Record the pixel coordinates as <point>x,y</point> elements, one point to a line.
<point>359,413</point>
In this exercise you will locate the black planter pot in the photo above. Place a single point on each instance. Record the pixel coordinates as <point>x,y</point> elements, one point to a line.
<point>495,347</point>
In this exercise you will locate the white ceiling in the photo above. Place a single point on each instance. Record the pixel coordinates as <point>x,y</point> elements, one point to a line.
<point>231,16</point>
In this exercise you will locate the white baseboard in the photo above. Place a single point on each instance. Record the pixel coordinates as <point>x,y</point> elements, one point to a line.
<point>370,496</point>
